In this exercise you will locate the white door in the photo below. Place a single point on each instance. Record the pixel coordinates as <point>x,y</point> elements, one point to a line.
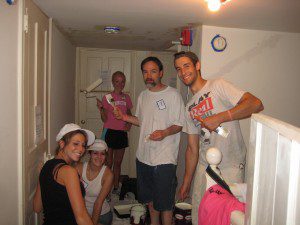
<point>34,102</point>
<point>92,64</point>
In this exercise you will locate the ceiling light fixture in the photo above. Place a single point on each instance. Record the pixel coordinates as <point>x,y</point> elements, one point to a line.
<point>112,29</point>
<point>215,5</point>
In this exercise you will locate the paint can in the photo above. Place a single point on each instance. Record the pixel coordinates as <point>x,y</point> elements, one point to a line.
<point>138,215</point>
<point>183,213</point>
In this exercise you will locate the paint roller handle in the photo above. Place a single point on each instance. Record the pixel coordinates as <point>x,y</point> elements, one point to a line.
<point>99,104</point>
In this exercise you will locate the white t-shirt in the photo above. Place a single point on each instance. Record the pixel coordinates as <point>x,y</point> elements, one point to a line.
<point>158,111</point>
<point>217,96</point>
<point>92,189</point>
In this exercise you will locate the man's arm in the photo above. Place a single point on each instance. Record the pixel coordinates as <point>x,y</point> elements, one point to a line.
<point>191,160</point>
<point>159,135</point>
<point>125,117</point>
<point>247,105</point>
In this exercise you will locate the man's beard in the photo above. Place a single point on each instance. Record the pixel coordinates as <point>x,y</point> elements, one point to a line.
<point>150,84</point>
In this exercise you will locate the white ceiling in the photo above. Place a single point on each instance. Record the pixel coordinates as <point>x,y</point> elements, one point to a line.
<point>153,24</point>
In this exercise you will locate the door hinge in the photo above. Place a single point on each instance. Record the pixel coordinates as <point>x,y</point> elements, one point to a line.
<point>25,23</point>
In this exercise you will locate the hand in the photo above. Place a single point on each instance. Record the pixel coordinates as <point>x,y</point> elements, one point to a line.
<point>158,135</point>
<point>118,113</point>
<point>99,104</point>
<point>127,126</point>
<point>184,191</point>
<point>211,123</point>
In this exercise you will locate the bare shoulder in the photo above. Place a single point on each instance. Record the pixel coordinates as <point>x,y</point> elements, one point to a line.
<point>79,167</point>
<point>67,171</point>
<point>108,172</point>
<point>65,174</point>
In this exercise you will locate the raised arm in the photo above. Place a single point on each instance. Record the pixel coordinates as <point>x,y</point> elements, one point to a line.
<point>125,117</point>
<point>102,110</point>
<point>107,183</point>
<point>68,176</point>
<point>191,160</point>
<point>247,105</point>
<point>128,125</point>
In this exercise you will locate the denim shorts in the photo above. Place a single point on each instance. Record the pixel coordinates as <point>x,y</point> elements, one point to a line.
<point>156,184</point>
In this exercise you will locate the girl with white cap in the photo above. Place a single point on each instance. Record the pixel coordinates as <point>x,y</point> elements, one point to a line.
<point>59,191</point>
<point>98,181</point>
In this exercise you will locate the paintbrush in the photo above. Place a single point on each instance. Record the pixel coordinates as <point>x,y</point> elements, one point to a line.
<point>222,131</point>
<point>110,100</point>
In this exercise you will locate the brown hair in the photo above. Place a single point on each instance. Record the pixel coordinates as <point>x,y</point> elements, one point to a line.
<point>68,136</point>
<point>152,59</point>
<point>191,55</point>
<point>118,73</point>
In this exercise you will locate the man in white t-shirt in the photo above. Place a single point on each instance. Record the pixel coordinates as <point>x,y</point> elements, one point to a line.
<point>160,115</point>
<point>214,103</point>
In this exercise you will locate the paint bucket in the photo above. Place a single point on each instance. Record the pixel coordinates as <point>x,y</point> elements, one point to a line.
<point>138,215</point>
<point>182,213</point>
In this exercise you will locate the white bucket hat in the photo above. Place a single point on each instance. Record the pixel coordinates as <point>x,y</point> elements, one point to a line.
<point>72,127</point>
<point>99,145</point>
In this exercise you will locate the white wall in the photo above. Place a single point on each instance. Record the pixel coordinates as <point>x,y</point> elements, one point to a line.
<point>9,126</point>
<point>262,62</point>
<point>62,84</point>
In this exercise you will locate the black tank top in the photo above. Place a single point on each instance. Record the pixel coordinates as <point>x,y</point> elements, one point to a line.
<point>56,204</point>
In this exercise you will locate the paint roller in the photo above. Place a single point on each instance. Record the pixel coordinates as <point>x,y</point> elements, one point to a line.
<point>94,85</point>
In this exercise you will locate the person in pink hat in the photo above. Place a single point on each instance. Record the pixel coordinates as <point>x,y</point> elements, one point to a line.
<point>59,192</point>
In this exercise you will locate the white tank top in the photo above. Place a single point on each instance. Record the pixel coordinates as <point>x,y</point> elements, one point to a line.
<point>92,189</point>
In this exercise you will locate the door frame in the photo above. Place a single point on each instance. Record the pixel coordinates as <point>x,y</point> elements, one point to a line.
<point>20,150</point>
<point>77,79</point>
<point>20,135</point>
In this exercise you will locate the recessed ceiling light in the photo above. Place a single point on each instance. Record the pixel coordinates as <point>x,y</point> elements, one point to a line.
<point>112,29</point>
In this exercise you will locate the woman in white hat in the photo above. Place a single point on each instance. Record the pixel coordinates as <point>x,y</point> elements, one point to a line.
<point>98,181</point>
<point>59,191</point>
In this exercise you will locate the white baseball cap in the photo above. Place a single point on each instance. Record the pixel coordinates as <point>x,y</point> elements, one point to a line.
<point>99,145</point>
<point>72,127</point>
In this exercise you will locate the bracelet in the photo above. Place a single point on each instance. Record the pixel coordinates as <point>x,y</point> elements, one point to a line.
<point>229,114</point>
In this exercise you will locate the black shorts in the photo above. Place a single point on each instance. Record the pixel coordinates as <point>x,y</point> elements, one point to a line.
<point>116,139</point>
<point>156,184</point>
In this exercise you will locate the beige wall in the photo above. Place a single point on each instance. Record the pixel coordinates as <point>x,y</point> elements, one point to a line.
<point>264,63</point>
<point>63,67</point>
<point>9,126</point>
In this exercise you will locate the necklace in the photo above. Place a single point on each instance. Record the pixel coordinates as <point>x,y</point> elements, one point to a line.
<point>90,174</point>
